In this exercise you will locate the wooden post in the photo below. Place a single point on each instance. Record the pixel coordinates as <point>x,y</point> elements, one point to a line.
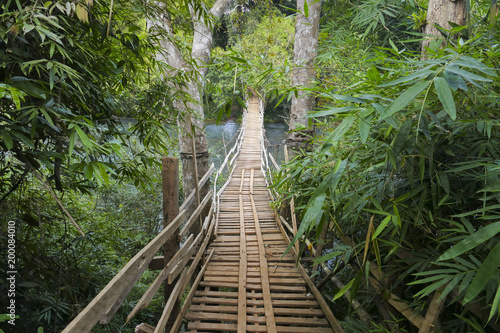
<point>196,180</point>
<point>292,208</point>
<point>170,178</point>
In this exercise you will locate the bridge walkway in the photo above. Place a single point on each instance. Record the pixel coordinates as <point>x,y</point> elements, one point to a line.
<point>248,285</point>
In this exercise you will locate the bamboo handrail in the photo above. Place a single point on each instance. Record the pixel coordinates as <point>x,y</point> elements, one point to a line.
<point>108,301</point>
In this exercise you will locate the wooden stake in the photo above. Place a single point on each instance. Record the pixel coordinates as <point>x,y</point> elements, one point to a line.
<point>292,207</point>
<point>170,182</point>
<point>195,164</point>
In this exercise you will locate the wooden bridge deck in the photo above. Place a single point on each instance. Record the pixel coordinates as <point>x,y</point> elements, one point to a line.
<point>248,286</point>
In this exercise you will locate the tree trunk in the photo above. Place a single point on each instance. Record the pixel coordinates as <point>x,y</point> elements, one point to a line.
<point>304,53</point>
<point>442,12</point>
<point>191,113</point>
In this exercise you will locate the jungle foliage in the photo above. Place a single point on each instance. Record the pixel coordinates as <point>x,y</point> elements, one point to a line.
<point>406,171</point>
<point>406,167</point>
<point>69,72</point>
<point>258,54</point>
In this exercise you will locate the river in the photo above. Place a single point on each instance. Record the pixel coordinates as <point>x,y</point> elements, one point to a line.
<point>217,135</point>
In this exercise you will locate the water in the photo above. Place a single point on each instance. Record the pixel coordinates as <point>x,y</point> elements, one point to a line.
<point>227,132</point>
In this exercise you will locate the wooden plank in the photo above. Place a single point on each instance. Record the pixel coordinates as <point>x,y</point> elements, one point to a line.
<point>193,217</point>
<point>123,280</point>
<point>242,306</point>
<point>432,313</point>
<point>264,273</point>
<point>251,181</point>
<point>177,269</point>
<point>155,286</point>
<point>187,302</point>
<point>209,316</point>
<point>242,179</point>
<point>328,313</point>
<point>395,301</point>
<point>277,311</point>
<point>181,285</point>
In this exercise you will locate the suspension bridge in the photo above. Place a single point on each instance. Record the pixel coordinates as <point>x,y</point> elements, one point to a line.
<point>234,271</point>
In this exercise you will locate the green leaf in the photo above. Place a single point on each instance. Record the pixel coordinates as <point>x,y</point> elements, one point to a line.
<point>343,290</point>
<point>306,9</point>
<point>451,285</point>
<point>467,75</point>
<point>470,242</point>
<point>381,227</point>
<point>344,126</point>
<point>88,171</point>
<point>330,111</point>
<point>396,219</point>
<point>466,282</point>
<point>71,142</point>
<point>364,129</point>
<point>435,286</point>
<point>445,96</point>
<point>24,139</point>
<point>496,302</point>
<point>408,78</point>
<point>405,98</point>
<point>7,139</point>
<point>455,81</point>
<point>470,62</point>
<point>484,274</point>
<point>47,117</point>
<point>87,143</point>
<point>240,60</point>
<point>432,278</point>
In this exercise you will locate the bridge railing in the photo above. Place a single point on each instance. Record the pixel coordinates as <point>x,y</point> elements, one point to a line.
<point>178,271</point>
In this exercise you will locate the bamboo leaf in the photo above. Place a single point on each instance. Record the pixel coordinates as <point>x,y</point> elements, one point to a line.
<point>330,111</point>
<point>484,274</point>
<point>87,143</point>
<point>470,242</point>
<point>449,287</point>
<point>445,96</point>
<point>405,98</point>
<point>435,286</point>
<point>364,129</point>
<point>429,279</point>
<point>344,126</point>
<point>368,236</point>
<point>72,138</point>
<point>408,78</point>
<point>466,282</point>
<point>343,290</point>
<point>494,306</point>
<point>382,226</point>
<point>471,77</point>
<point>306,9</point>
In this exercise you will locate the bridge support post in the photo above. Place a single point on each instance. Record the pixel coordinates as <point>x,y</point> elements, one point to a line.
<point>170,182</point>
